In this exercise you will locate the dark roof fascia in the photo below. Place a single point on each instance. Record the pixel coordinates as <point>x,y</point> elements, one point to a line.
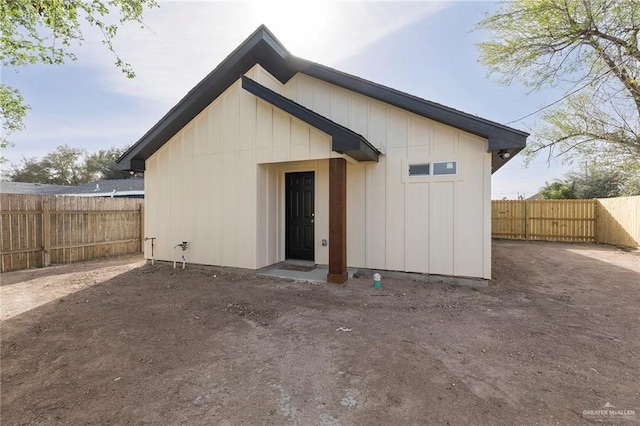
<point>343,140</point>
<point>499,136</point>
<point>498,159</point>
<point>260,47</point>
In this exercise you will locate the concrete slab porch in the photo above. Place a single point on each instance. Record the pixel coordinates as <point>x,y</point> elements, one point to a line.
<point>309,271</point>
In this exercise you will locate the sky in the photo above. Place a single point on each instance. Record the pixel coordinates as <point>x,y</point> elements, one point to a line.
<point>427,49</point>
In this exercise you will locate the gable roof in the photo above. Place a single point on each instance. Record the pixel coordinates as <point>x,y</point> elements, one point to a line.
<point>100,188</point>
<point>263,48</point>
<point>343,140</point>
<point>108,188</point>
<point>7,187</point>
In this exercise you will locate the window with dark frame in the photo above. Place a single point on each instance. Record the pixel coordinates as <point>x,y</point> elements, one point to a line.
<point>419,169</point>
<point>445,168</point>
<point>440,168</point>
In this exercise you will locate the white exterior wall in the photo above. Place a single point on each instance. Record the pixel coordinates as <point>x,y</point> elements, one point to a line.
<point>436,224</point>
<point>195,190</point>
<point>219,184</point>
<point>271,219</point>
<point>205,185</point>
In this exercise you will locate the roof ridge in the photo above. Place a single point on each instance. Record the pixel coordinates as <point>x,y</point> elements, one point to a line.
<point>263,48</point>
<point>407,94</point>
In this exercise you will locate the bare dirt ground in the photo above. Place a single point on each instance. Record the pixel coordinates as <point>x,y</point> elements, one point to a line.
<point>120,342</point>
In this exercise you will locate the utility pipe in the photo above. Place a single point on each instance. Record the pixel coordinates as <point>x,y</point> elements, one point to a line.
<point>376,280</point>
<point>182,245</point>
<point>174,255</point>
<point>153,239</point>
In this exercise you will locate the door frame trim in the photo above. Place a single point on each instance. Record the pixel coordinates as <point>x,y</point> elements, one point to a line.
<point>283,169</point>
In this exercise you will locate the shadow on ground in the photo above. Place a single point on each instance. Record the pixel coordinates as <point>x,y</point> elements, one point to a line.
<point>19,277</point>
<point>555,334</point>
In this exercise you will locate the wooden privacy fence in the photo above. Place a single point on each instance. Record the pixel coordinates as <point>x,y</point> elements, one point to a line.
<point>610,221</point>
<point>39,230</point>
<point>619,221</point>
<point>550,220</point>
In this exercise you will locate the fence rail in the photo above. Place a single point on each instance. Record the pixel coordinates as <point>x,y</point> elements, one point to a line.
<point>611,221</point>
<point>39,230</point>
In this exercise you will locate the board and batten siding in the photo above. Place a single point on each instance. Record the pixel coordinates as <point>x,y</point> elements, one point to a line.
<point>219,184</point>
<point>436,224</point>
<point>206,185</point>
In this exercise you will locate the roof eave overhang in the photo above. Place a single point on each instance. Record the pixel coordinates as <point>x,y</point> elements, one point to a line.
<point>501,157</point>
<point>504,145</point>
<point>500,137</point>
<point>343,140</point>
<point>260,47</point>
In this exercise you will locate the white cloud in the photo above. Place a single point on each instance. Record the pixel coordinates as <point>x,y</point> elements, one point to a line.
<point>183,41</point>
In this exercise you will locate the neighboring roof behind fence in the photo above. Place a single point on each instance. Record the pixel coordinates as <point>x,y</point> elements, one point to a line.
<point>31,188</point>
<point>99,188</point>
<point>106,186</point>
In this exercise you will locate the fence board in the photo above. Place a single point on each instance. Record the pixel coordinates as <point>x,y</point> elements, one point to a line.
<point>611,221</point>
<point>545,220</point>
<point>38,230</point>
<point>21,231</point>
<point>561,220</point>
<point>619,221</point>
<point>508,220</point>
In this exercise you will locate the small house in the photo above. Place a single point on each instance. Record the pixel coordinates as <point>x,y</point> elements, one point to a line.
<point>273,157</point>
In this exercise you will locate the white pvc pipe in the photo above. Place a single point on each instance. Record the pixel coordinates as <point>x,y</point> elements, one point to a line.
<point>183,246</point>
<point>376,280</point>
<point>174,256</point>
<point>153,257</point>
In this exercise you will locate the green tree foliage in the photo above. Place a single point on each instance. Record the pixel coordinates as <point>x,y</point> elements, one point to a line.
<point>102,165</point>
<point>588,47</point>
<point>595,180</point>
<point>557,191</point>
<point>630,182</point>
<point>43,32</point>
<point>12,111</point>
<point>29,171</point>
<point>69,166</point>
<point>605,184</point>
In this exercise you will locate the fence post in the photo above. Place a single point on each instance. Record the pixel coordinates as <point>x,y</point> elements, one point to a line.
<point>46,234</point>
<point>526,221</point>
<point>596,215</point>
<point>142,227</point>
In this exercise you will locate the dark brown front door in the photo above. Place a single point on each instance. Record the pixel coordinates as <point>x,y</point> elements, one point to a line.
<point>300,215</point>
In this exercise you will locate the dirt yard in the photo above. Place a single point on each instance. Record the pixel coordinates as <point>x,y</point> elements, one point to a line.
<point>556,334</point>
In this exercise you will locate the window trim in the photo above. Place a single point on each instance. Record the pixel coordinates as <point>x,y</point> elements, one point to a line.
<point>409,179</point>
<point>428,166</point>
<point>433,174</point>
